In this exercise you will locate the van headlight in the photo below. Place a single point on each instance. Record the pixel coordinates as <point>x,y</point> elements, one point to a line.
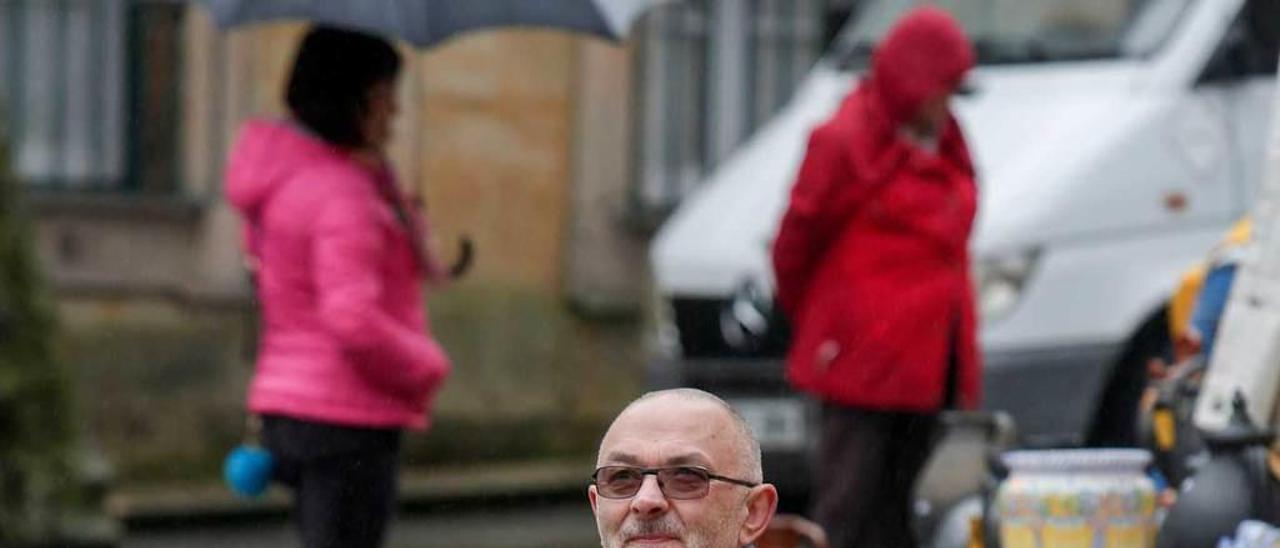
<point>1001,282</point>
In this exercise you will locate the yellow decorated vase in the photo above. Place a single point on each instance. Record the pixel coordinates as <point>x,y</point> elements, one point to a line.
<point>1087,498</point>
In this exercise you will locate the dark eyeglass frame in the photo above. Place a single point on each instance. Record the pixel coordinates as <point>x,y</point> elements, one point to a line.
<point>658,473</point>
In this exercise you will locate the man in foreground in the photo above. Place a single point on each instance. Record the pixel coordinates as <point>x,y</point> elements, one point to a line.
<point>680,468</point>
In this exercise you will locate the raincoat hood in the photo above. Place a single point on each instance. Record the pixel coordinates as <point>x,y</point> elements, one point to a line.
<point>266,155</point>
<point>924,54</point>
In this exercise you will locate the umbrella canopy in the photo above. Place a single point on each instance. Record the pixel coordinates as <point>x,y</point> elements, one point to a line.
<point>428,22</point>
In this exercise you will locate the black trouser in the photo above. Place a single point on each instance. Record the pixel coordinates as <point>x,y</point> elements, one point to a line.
<point>868,464</point>
<point>343,479</point>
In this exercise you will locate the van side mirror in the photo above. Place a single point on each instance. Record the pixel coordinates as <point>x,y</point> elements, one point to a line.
<point>1232,60</point>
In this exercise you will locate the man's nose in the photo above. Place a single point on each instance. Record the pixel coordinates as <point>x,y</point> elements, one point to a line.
<point>649,500</point>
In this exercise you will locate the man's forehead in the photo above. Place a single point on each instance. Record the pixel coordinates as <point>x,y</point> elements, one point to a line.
<point>620,455</point>
<point>680,428</point>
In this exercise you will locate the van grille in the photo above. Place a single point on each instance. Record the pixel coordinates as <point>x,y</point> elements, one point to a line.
<point>698,321</point>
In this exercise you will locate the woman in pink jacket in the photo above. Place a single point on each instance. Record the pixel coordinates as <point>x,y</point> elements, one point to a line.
<point>345,361</point>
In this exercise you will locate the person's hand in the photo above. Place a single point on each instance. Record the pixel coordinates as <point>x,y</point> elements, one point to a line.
<point>466,255</point>
<point>1157,369</point>
<point>437,273</point>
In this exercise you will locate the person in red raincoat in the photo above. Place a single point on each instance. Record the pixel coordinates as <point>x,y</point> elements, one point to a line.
<point>872,267</point>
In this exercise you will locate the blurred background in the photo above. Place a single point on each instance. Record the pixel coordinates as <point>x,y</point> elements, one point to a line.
<point>559,155</point>
<point>621,198</point>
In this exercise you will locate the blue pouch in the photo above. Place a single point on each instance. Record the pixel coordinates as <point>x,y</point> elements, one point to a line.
<point>248,468</point>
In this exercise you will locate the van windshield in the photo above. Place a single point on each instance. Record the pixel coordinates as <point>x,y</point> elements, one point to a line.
<point>1029,31</point>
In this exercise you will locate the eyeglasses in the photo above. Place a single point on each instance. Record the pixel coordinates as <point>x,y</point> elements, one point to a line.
<point>676,482</point>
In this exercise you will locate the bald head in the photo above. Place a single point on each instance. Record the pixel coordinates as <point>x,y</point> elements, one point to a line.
<point>670,430</point>
<point>699,417</point>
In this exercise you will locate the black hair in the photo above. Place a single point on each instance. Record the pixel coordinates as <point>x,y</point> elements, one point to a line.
<point>332,75</point>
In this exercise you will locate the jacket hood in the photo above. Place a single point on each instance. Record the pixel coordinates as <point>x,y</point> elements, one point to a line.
<point>924,54</point>
<point>266,154</point>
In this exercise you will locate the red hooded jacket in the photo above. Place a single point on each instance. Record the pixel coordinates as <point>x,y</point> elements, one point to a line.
<point>871,260</point>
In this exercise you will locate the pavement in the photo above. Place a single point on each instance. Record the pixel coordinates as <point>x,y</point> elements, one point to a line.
<point>550,525</point>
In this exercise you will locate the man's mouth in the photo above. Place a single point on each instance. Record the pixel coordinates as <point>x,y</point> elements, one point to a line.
<point>646,540</point>
<point>659,532</point>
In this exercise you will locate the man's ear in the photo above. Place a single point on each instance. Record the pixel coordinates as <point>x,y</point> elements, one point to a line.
<point>591,496</point>
<point>762,502</point>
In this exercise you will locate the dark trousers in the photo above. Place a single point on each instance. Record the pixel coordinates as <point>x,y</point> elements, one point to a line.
<point>868,464</point>
<point>343,479</point>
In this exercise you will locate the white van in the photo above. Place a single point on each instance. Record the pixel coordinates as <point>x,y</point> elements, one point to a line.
<point>1115,141</point>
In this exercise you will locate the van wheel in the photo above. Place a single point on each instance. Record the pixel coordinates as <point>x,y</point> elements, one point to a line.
<point>1115,423</point>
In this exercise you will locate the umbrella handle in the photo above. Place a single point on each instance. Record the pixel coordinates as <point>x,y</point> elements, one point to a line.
<point>466,256</point>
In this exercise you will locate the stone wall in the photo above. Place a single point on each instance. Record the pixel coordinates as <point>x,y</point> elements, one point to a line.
<point>161,385</point>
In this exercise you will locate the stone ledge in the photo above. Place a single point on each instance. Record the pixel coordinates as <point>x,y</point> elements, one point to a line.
<point>175,208</point>
<point>181,505</point>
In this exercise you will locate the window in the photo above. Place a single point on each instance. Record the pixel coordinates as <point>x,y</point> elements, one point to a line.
<point>673,52</point>
<point>90,92</point>
<point>1261,22</point>
<point>1032,31</point>
<point>709,73</point>
<point>1250,47</point>
<point>786,40</point>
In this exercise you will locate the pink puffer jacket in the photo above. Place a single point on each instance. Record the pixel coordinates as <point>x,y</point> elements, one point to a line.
<point>345,337</point>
